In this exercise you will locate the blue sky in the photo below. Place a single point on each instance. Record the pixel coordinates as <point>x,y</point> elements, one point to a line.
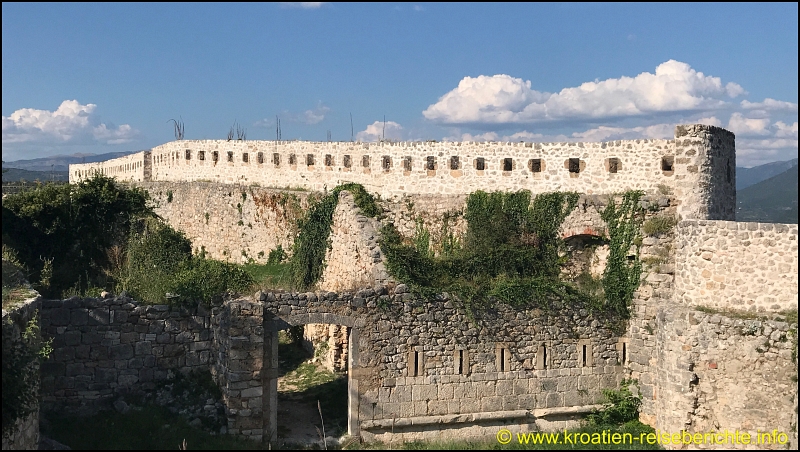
<point>93,78</point>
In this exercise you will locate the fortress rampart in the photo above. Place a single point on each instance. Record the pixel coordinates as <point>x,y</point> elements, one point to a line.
<point>745,266</point>
<point>698,165</point>
<point>699,365</point>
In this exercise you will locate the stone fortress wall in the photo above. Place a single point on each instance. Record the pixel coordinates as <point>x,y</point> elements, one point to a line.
<point>698,165</point>
<point>746,266</point>
<point>130,168</point>
<point>697,370</point>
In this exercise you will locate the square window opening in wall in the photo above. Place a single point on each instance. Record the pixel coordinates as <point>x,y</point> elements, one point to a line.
<point>430,163</point>
<point>613,165</point>
<point>480,163</point>
<point>309,159</point>
<point>246,157</point>
<point>276,159</point>
<point>461,362</point>
<point>508,164</point>
<point>407,163</point>
<point>455,163</point>
<point>328,160</point>
<point>292,159</point>
<point>667,163</point>
<point>260,158</point>
<point>188,154</point>
<point>230,156</point>
<point>386,163</point>
<point>575,166</point>
<point>502,358</point>
<point>346,161</point>
<point>215,156</point>
<point>416,366</point>
<point>365,161</point>
<point>201,155</point>
<point>535,165</point>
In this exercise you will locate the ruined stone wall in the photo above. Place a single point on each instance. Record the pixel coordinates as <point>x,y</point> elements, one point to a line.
<point>24,434</point>
<point>695,165</point>
<point>422,368</point>
<point>354,260</point>
<point>239,336</point>
<point>729,265</point>
<point>328,344</point>
<point>230,222</point>
<point>716,372</point>
<point>104,348</point>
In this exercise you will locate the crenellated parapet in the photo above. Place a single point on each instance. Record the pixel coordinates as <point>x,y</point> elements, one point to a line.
<point>698,165</point>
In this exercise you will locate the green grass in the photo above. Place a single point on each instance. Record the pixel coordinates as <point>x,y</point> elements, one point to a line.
<point>267,276</point>
<point>310,383</point>
<point>149,428</point>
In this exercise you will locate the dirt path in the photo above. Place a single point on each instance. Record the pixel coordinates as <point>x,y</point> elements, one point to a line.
<point>301,385</point>
<point>298,421</point>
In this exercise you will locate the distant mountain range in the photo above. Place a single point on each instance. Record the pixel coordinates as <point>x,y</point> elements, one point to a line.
<point>16,174</point>
<point>61,162</point>
<point>746,177</point>
<point>773,200</point>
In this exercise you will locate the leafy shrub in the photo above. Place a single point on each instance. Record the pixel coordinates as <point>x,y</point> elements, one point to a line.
<point>510,251</point>
<point>155,253</point>
<point>72,226</point>
<point>659,224</point>
<point>206,280</point>
<point>621,406</point>
<point>160,262</point>
<point>21,355</point>
<point>276,256</point>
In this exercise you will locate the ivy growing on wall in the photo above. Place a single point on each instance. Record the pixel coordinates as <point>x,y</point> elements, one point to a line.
<point>313,240</point>
<point>623,268</point>
<point>22,351</point>
<point>510,252</point>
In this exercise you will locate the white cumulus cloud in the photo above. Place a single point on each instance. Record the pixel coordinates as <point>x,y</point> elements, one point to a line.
<point>770,105</point>
<point>376,131</point>
<point>502,99</point>
<point>70,123</point>
<point>743,126</point>
<point>783,130</point>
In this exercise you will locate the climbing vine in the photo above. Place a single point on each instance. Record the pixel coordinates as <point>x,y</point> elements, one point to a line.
<point>22,351</point>
<point>623,268</point>
<point>313,239</point>
<point>510,252</point>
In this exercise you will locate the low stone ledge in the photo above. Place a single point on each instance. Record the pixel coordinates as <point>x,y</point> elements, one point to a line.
<point>476,417</point>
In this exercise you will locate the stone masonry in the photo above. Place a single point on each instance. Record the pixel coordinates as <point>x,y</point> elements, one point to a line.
<point>746,266</point>
<point>425,369</point>
<point>698,165</point>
